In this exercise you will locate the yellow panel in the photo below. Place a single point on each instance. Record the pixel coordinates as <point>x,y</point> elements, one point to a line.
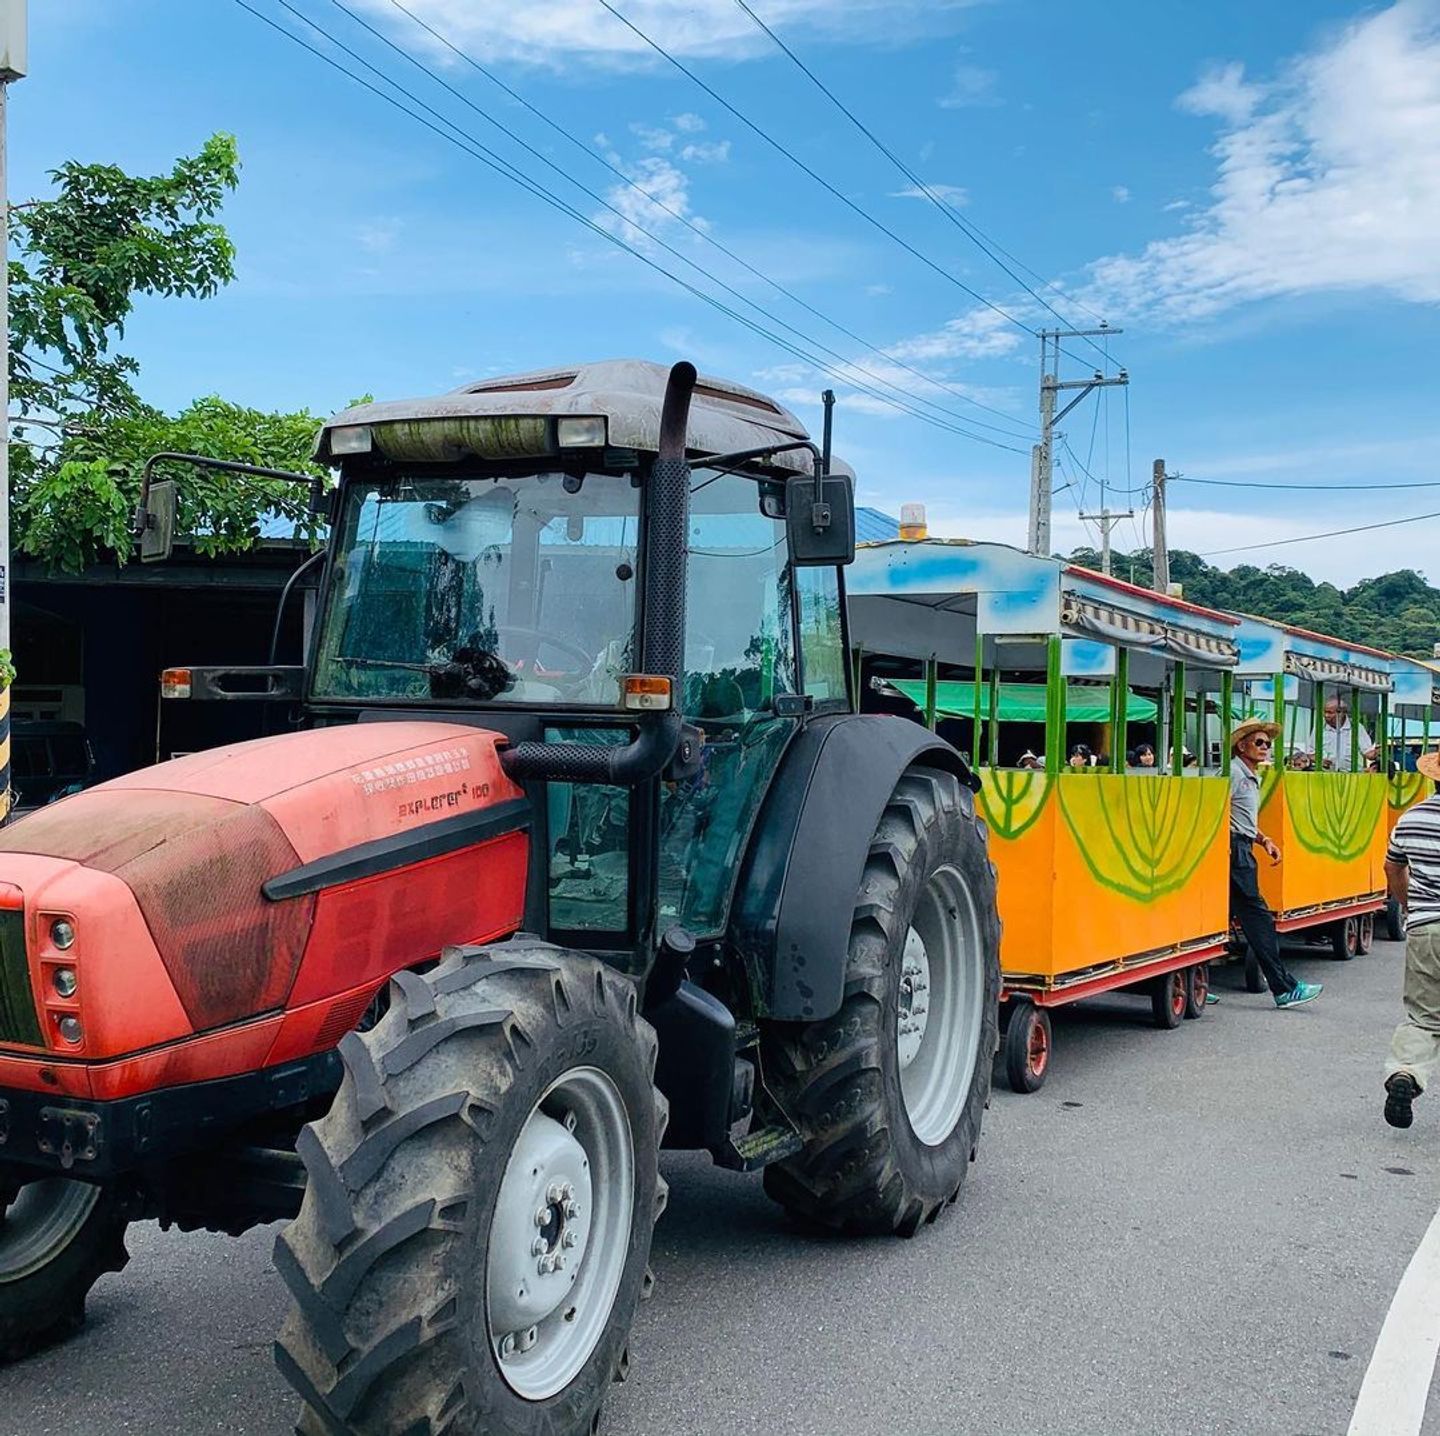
<point>1096,869</point>
<point>1332,829</point>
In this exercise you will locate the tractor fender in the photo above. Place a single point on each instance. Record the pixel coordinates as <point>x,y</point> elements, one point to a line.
<point>796,895</point>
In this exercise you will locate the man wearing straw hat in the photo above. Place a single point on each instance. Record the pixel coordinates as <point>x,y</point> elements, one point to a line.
<point>1250,745</point>
<point>1412,876</point>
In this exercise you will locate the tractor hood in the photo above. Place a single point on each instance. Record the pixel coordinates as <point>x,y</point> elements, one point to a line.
<point>242,861</point>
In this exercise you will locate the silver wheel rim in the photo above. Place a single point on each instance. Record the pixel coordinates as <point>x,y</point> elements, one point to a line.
<point>560,1235</point>
<point>942,1004</point>
<point>42,1220</point>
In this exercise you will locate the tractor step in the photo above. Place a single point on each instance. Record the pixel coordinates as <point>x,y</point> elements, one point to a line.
<point>760,1148</point>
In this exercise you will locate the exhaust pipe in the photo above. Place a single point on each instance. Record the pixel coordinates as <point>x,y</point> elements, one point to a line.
<point>662,646</point>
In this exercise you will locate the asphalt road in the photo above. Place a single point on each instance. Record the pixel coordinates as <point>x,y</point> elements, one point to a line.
<point>1195,1231</point>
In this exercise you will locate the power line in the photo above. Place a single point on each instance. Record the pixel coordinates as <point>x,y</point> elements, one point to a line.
<point>818,178</point>
<point>1017,429</point>
<point>987,246</point>
<point>478,150</point>
<point>625,220</point>
<point>1305,488</point>
<point>1310,538</point>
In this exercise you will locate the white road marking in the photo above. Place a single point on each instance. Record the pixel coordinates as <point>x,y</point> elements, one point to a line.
<point>1397,1381</point>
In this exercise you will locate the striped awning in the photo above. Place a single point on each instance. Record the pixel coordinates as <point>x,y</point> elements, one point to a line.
<point>1334,670</point>
<point>1133,630</point>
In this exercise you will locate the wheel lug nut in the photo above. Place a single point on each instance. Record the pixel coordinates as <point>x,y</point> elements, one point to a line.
<point>539,1247</point>
<point>570,1239</point>
<point>556,1194</point>
<point>507,1346</point>
<point>542,1215</point>
<point>572,1210</point>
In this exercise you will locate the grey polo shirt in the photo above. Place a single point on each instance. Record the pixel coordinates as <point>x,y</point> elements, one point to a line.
<point>1244,800</point>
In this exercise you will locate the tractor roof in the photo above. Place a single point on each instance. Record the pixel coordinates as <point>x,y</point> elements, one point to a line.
<point>724,416</point>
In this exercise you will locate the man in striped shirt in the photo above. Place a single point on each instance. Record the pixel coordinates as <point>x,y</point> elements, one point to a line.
<point>1412,876</point>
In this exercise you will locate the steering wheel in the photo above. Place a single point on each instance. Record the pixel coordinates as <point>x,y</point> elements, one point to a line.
<point>535,637</point>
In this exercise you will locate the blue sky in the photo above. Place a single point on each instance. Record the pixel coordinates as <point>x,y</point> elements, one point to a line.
<point>1252,192</point>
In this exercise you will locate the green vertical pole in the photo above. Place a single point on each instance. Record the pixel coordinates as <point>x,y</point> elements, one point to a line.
<point>1177,722</point>
<point>1227,702</point>
<point>975,747</point>
<point>1054,707</point>
<point>994,717</point>
<point>1319,721</point>
<point>930,667</point>
<point>1354,729</point>
<point>1119,710</point>
<point>1384,739</point>
<point>1277,753</point>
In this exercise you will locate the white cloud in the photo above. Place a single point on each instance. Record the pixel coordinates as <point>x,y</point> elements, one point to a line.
<point>1176,205</point>
<point>688,124</point>
<point>559,32</point>
<point>1120,193</point>
<point>378,236</point>
<point>1329,179</point>
<point>1222,91</point>
<point>971,86</point>
<point>977,334</point>
<point>950,193</point>
<point>652,137</point>
<point>875,290</point>
<point>710,152</point>
<point>659,196</point>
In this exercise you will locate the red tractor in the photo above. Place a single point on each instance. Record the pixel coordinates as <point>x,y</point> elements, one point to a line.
<point>581,848</point>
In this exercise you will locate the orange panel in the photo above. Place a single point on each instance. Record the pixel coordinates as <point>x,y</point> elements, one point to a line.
<point>365,930</point>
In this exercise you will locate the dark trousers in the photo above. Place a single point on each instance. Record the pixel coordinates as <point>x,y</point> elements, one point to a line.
<point>1253,914</point>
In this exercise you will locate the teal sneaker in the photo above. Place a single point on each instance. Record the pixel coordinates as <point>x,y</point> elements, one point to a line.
<point>1301,992</point>
<point>1211,999</point>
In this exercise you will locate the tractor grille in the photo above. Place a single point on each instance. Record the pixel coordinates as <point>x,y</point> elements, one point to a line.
<point>18,1019</point>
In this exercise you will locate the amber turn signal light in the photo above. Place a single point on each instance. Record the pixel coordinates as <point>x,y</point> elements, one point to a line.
<point>646,692</point>
<point>175,683</point>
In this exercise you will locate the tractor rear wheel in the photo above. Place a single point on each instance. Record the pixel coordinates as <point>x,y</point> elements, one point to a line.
<point>57,1238</point>
<point>482,1194</point>
<point>889,1092</point>
<point>1345,938</point>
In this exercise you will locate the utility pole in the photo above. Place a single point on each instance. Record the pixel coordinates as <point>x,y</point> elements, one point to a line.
<point>1107,521</point>
<point>13,60</point>
<point>1157,518</point>
<point>1042,458</point>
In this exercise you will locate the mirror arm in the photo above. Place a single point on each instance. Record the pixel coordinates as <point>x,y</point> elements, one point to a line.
<point>142,519</point>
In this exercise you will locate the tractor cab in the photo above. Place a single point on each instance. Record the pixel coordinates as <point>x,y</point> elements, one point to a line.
<point>503,554</point>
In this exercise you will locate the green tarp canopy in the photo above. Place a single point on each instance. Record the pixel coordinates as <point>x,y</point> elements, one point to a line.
<point>1023,702</point>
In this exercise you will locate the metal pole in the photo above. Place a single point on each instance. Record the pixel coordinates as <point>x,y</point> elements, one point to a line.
<point>1042,463</point>
<point>1161,560</point>
<point>930,666</point>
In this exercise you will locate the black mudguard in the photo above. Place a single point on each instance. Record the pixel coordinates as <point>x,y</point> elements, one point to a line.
<point>796,895</point>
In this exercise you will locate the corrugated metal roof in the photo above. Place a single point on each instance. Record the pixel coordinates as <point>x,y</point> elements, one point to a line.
<point>872,526</point>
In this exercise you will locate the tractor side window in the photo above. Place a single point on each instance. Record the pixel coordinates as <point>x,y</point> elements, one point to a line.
<point>589,826</point>
<point>822,635</point>
<point>739,655</point>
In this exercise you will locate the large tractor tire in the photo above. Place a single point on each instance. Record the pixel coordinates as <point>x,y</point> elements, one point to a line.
<point>476,1229</point>
<point>889,1093</point>
<point>57,1239</point>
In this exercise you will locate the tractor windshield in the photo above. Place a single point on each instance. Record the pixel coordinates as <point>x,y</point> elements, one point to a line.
<point>491,590</point>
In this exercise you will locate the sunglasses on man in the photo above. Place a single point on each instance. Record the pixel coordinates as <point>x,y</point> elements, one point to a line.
<point>1259,742</point>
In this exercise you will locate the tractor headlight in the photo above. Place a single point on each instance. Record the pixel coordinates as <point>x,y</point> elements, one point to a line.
<point>580,433</point>
<point>62,933</point>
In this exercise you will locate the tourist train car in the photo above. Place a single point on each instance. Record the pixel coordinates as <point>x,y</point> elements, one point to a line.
<point>1113,871</point>
<point>1324,796</point>
<point>1411,731</point>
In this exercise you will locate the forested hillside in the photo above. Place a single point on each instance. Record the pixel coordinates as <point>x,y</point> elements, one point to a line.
<point>1399,611</point>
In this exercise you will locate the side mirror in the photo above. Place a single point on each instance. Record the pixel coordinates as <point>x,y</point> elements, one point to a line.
<point>157,538</point>
<point>820,520</point>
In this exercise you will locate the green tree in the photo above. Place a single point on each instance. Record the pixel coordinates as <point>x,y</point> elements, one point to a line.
<point>81,432</point>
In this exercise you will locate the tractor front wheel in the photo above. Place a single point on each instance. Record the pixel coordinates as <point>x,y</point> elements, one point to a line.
<point>481,1198</point>
<point>889,1092</point>
<point>57,1238</point>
